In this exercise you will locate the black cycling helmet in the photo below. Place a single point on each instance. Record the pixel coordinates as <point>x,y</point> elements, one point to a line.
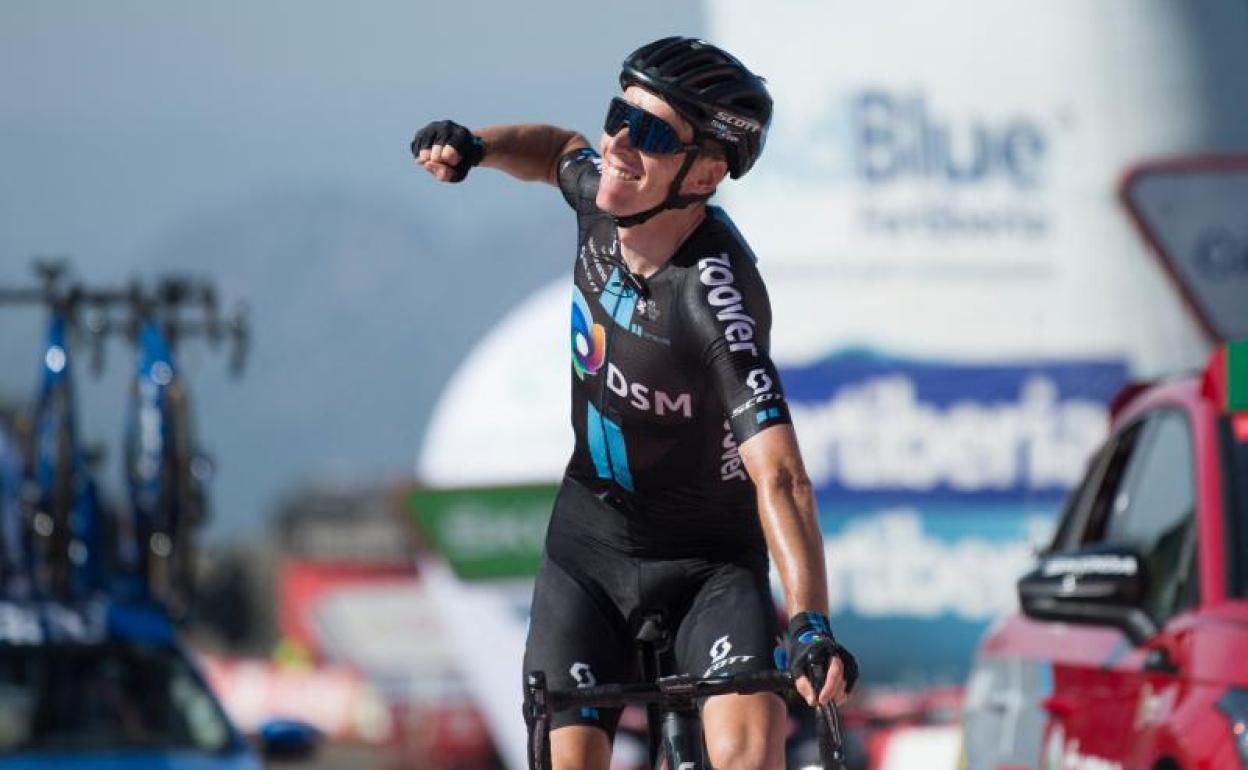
<point>711,89</point>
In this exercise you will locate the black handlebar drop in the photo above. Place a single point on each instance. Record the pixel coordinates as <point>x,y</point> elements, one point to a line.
<point>537,719</point>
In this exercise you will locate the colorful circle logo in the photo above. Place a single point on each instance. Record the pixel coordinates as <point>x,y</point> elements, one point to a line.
<point>589,340</point>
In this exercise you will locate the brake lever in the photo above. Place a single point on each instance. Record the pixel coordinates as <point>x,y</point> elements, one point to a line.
<point>827,724</point>
<point>537,721</point>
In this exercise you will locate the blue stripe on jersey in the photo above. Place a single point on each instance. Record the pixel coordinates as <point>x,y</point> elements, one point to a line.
<point>619,455</point>
<point>597,442</point>
<point>606,447</point>
<point>619,300</point>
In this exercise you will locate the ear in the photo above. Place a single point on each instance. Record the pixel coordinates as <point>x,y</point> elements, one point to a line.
<point>704,176</point>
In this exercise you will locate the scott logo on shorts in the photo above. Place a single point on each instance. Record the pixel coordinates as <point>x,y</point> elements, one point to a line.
<point>583,676</point>
<point>720,657</point>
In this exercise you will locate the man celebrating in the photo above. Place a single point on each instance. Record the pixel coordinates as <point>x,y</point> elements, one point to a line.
<point>686,471</point>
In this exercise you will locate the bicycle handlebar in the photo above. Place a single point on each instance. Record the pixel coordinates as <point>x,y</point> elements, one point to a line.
<point>668,692</point>
<point>161,302</point>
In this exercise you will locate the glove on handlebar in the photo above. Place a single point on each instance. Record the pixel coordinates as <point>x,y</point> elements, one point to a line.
<point>809,643</point>
<point>470,147</point>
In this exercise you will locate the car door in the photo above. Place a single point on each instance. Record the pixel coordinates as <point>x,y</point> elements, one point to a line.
<point>1012,681</point>
<point>1146,500</point>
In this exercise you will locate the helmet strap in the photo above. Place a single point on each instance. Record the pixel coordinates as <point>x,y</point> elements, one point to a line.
<point>674,199</point>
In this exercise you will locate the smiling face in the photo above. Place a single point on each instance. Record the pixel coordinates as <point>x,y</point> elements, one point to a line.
<point>634,181</point>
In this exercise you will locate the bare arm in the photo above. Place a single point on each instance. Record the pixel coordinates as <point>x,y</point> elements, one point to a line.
<point>786,506</point>
<point>529,152</point>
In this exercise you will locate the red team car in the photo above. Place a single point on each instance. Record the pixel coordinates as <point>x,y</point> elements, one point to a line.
<point>1131,650</point>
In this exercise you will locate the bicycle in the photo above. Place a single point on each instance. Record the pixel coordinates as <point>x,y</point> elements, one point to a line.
<point>59,553</point>
<point>674,727</point>
<point>166,472</point>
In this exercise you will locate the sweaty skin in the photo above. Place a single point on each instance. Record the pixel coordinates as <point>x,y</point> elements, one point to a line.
<point>786,505</point>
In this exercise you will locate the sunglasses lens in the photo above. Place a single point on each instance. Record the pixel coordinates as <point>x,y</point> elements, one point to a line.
<point>646,132</point>
<point>617,116</point>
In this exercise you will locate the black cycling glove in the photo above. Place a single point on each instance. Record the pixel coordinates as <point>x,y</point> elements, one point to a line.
<point>470,147</point>
<point>809,643</point>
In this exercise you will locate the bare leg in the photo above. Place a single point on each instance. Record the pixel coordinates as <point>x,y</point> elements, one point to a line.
<point>745,732</point>
<point>580,747</point>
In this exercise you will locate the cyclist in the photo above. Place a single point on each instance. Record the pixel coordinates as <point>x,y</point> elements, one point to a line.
<point>686,471</point>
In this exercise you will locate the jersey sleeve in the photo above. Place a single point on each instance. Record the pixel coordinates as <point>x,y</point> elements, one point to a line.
<point>729,320</point>
<point>579,172</point>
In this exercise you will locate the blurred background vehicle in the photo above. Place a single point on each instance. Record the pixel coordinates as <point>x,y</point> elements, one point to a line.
<point>1128,648</point>
<point>94,685</point>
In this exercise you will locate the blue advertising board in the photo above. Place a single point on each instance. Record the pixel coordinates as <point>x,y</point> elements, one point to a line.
<point>935,482</point>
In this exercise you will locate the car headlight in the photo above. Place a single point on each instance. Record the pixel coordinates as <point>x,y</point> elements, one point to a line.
<point>1234,703</point>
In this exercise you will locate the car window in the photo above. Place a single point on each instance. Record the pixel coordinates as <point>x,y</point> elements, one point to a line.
<point>87,698</point>
<point>1085,504</point>
<point>1149,504</point>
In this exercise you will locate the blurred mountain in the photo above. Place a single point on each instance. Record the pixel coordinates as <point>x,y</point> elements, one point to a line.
<point>360,305</point>
<point>267,149</point>
<point>362,308</point>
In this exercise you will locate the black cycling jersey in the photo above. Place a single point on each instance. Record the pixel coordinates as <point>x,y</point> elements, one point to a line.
<point>670,374</point>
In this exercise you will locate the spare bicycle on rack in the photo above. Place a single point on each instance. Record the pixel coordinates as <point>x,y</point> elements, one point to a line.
<point>166,471</point>
<point>54,536</point>
<point>55,549</point>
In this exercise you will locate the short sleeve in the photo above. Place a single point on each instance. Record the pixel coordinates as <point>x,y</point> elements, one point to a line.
<point>579,172</point>
<point>729,320</point>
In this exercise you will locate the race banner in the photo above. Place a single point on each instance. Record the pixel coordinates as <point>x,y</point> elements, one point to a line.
<point>486,532</point>
<point>936,481</point>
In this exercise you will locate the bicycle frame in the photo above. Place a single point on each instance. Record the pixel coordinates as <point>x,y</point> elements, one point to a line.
<point>164,471</point>
<point>58,488</point>
<point>147,442</point>
<point>165,495</point>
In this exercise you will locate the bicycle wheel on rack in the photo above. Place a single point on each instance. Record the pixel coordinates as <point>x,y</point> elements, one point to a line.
<point>50,496</point>
<point>173,537</point>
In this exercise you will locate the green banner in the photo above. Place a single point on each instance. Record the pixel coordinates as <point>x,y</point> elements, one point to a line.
<point>1237,376</point>
<point>485,532</point>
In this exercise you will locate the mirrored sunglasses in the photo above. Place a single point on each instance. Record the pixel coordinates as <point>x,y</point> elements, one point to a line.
<point>646,132</point>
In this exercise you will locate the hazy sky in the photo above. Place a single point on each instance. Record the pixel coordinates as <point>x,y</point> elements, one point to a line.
<point>264,144</point>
